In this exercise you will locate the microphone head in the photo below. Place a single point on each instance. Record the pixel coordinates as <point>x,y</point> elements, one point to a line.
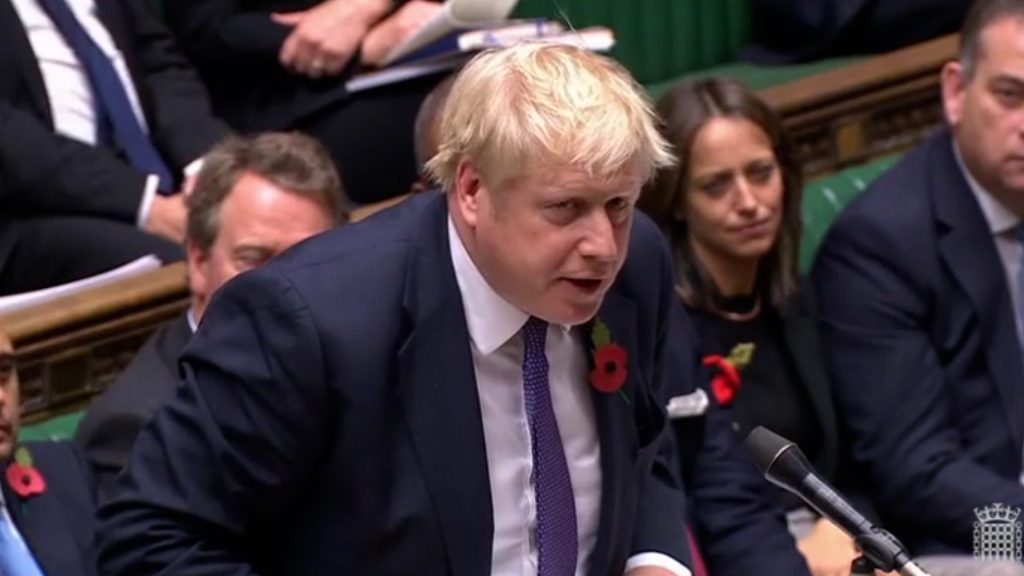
<point>778,459</point>
<point>765,446</point>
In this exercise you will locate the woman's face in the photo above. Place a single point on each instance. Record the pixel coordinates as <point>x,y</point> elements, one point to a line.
<point>733,199</point>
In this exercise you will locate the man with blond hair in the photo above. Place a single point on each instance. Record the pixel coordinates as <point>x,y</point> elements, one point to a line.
<point>466,384</point>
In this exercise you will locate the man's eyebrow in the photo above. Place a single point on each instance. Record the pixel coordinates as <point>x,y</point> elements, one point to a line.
<point>1008,78</point>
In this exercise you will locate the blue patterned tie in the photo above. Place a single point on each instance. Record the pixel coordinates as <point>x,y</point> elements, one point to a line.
<point>114,109</point>
<point>15,558</point>
<point>557,545</point>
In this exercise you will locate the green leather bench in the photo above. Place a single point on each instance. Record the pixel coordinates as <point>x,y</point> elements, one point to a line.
<point>661,41</point>
<point>826,197</point>
<point>57,428</point>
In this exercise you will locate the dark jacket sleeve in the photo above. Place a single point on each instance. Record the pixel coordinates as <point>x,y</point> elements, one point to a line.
<point>179,112</point>
<point>245,427</point>
<point>42,172</point>
<point>661,522</point>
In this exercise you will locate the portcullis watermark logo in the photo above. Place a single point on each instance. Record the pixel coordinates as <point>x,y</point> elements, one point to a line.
<point>997,533</point>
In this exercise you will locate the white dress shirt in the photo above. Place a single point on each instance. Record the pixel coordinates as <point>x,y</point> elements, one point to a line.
<point>67,86</point>
<point>497,349</point>
<point>8,524</point>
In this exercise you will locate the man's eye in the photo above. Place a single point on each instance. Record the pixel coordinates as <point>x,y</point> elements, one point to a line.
<point>1008,96</point>
<point>7,367</point>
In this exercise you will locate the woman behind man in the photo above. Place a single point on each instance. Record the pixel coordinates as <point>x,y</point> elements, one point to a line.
<point>731,211</point>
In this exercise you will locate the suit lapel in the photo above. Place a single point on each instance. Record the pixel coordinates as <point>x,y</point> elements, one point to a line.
<point>966,246</point>
<point>441,405</point>
<point>618,437</point>
<point>19,52</point>
<point>41,523</point>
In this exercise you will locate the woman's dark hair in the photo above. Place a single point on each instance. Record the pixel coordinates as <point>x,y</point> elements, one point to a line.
<point>684,111</point>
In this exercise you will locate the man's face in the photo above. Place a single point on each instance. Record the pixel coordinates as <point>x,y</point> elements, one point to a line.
<point>258,220</point>
<point>10,405</point>
<point>987,111</point>
<point>550,243</point>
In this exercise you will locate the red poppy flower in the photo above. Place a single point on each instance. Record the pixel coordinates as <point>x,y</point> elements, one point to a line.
<point>609,373</point>
<point>26,481</point>
<point>726,383</point>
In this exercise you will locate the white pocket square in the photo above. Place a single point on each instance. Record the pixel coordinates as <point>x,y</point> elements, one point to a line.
<point>688,405</point>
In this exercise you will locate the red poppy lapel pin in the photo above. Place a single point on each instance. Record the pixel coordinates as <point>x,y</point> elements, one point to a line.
<point>610,372</point>
<point>726,382</point>
<point>23,478</point>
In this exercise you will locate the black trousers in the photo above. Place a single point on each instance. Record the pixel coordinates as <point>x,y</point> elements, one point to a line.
<point>40,252</point>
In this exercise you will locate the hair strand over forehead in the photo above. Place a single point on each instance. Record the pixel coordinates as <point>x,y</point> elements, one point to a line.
<point>537,104</point>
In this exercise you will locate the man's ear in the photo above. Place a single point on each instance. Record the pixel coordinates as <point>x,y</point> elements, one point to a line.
<point>468,184</point>
<point>954,87</point>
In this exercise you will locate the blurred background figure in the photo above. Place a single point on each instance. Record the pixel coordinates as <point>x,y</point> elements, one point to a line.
<point>274,65</point>
<point>784,31</point>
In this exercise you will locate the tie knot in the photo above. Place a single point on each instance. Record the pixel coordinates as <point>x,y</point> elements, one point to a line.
<point>534,333</point>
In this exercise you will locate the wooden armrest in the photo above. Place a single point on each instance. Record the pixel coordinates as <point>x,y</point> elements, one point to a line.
<point>861,111</point>
<point>75,346</point>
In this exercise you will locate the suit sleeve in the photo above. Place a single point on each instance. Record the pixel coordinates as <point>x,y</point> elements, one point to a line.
<point>180,116</point>
<point>740,528</point>
<point>890,386</point>
<point>45,173</point>
<point>234,445</point>
<point>661,522</point>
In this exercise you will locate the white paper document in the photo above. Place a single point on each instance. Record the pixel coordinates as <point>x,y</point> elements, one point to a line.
<point>23,300</point>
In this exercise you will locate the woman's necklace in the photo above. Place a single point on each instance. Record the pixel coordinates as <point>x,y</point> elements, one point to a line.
<point>737,316</point>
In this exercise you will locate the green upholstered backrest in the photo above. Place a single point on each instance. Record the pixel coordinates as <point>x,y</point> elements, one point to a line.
<point>657,39</point>
<point>754,76</point>
<point>826,197</point>
<point>57,428</point>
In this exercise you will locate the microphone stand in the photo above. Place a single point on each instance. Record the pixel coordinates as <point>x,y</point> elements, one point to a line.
<point>879,553</point>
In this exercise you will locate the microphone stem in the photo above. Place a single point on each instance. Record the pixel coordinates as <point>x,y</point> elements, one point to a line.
<point>912,569</point>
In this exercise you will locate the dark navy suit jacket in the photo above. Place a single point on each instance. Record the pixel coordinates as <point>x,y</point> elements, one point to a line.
<point>918,332</point>
<point>107,432</point>
<point>58,525</point>
<point>784,31</point>
<point>329,421</point>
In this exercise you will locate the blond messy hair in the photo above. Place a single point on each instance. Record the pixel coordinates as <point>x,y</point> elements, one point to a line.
<point>546,105</point>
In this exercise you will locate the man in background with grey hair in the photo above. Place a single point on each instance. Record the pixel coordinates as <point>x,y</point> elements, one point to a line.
<point>254,198</point>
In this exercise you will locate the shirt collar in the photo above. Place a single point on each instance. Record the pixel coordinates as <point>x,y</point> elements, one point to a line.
<point>191,316</point>
<point>491,319</point>
<point>999,218</point>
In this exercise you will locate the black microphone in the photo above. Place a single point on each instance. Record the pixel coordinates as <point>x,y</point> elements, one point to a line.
<point>784,465</point>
